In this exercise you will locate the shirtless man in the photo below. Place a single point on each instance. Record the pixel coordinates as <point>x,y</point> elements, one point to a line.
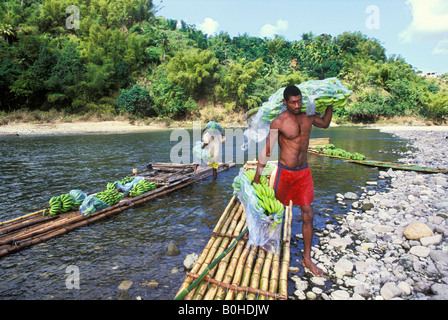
<point>293,179</point>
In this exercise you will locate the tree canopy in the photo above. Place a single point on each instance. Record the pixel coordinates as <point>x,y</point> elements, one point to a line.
<point>123,58</point>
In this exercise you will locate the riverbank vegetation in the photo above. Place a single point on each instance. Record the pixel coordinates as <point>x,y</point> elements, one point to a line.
<point>122,60</point>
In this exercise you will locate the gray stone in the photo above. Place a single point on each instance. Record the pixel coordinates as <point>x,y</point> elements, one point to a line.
<point>125,285</point>
<point>439,255</point>
<point>172,249</point>
<point>420,251</point>
<point>434,240</point>
<point>350,196</point>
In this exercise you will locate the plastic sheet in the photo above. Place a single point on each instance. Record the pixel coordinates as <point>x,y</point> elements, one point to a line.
<point>201,156</point>
<point>264,231</point>
<point>92,204</point>
<point>127,187</point>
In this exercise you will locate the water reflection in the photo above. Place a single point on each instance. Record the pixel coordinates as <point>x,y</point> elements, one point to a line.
<point>132,245</point>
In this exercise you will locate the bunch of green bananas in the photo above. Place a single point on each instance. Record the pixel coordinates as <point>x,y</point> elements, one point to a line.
<point>126,180</point>
<point>109,197</point>
<point>270,115</point>
<point>267,200</point>
<point>61,204</point>
<point>112,185</point>
<point>339,100</point>
<point>330,150</point>
<point>141,187</point>
<point>250,174</point>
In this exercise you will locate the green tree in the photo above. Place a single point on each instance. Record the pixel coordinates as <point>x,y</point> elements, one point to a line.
<point>238,83</point>
<point>194,70</point>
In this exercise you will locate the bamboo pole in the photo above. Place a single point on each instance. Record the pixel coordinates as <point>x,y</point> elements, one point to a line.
<point>21,217</point>
<point>224,264</point>
<point>222,248</point>
<point>283,283</point>
<point>264,280</point>
<point>213,250</point>
<point>207,248</point>
<point>198,280</point>
<point>273,283</point>
<point>255,277</point>
<point>230,272</point>
<point>238,273</point>
<point>247,272</point>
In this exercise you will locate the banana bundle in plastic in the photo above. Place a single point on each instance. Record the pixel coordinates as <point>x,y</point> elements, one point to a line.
<point>259,197</point>
<point>65,202</point>
<point>264,213</point>
<point>317,95</point>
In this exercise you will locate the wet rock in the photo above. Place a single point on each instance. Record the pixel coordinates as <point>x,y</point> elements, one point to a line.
<point>172,249</point>
<point>125,285</point>
<point>190,260</point>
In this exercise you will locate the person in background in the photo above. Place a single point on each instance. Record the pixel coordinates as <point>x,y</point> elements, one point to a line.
<point>292,178</point>
<point>212,137</point>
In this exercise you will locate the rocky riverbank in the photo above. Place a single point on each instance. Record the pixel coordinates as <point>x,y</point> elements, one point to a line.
<point>392,243</point>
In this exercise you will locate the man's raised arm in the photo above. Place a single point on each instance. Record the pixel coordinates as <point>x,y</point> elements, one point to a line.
<point>266,152</point>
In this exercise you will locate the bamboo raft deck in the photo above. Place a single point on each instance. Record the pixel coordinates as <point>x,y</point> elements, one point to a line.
<point>28,230</point>
<point>245,273</point>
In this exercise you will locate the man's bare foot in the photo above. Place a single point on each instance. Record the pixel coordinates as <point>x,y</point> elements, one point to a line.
<point>307,263</point>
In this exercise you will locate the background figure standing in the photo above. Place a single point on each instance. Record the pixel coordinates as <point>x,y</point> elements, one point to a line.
<point>212,138</point>
<point>293,180</point>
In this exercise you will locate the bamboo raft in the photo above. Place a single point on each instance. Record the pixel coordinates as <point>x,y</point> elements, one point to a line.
<point>382,164</point>
<point>244,273</point>
<point>28,230</point>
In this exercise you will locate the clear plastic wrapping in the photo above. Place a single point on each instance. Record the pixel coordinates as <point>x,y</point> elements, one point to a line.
<point>264,230</point>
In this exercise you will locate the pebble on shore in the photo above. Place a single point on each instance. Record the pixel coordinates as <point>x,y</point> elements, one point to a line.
<point>390,244</point>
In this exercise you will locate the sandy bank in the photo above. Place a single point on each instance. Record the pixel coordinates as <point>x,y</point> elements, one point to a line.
<point>126,127</point>
<point>76,128</point>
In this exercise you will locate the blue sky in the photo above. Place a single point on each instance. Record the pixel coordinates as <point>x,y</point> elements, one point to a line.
<point>415,29</point>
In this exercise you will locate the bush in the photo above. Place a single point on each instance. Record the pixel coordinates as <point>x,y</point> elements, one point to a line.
<point>136,101</point>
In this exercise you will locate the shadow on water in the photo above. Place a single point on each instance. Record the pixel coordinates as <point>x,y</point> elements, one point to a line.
<point>132,245</point>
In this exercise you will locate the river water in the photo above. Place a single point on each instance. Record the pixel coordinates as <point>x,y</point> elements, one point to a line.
<point>132,245</point>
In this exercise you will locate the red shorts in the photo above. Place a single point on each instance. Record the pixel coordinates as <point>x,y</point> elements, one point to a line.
<point>294,184</point>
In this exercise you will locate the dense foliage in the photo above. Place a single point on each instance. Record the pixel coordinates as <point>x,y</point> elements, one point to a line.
<point>119,57</point>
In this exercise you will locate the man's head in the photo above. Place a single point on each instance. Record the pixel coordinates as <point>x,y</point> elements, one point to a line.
<point>292,98</point>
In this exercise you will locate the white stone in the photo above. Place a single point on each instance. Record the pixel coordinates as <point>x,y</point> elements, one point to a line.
<point>343,267</point>
<point>340,295</point>
<point>420,251</point>
<point>390,290</point>
<point>427,241</point>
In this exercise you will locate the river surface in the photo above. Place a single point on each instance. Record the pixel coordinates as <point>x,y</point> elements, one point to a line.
<point>132,245</point>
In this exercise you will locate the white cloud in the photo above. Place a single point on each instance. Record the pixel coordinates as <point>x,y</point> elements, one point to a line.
<point>429,21</point>
<point>441,47</point>
<point>209,26</point>
<point>269,31</point>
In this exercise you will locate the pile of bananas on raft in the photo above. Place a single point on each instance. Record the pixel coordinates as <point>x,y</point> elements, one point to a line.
<point>265,195</point>
<point>110,197</point>
<point>141,187</point>
<point>64,203</point>
<point>330,150</point>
